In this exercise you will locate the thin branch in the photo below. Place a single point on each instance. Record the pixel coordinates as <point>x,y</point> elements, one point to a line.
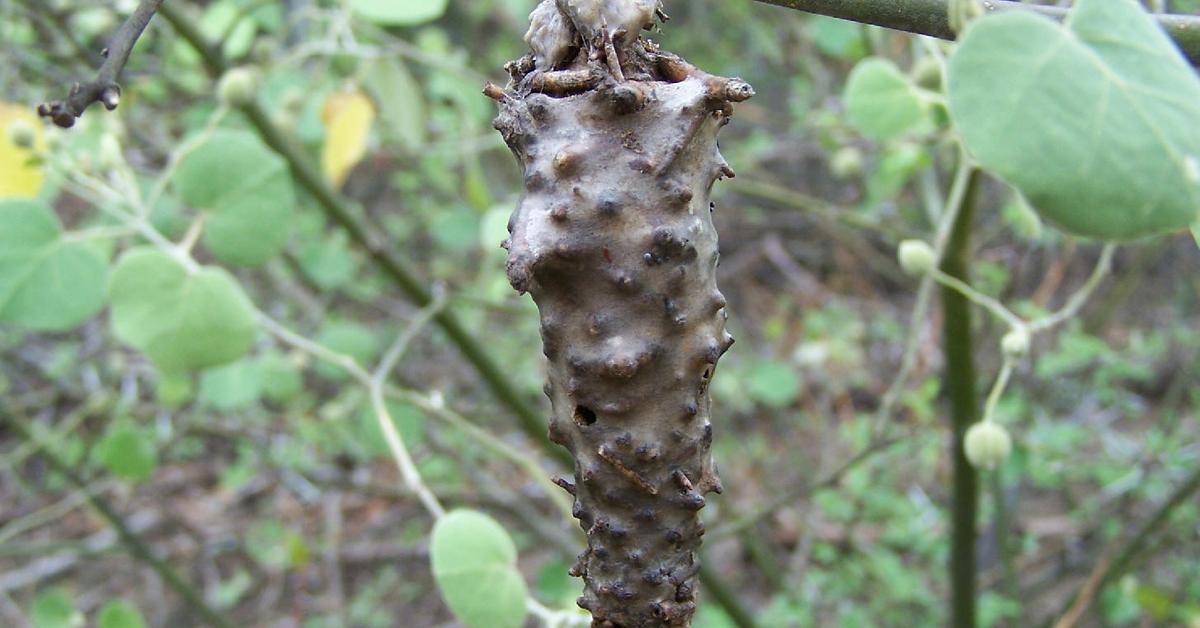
<point>966,291</point>
<point>751,519</point>
<point>951,208</point>
<point>435,405</point>
<point>129,538</point>
<point>383,416</point>
<point>997,391</point>
<point>931,17</point>
<point>1077,300</point>
<point>104,89</point>
<point>1107,570</point>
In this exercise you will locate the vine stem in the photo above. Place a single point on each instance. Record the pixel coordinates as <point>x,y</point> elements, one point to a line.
<point>993,398</point>
<point>977,297</point>
<point>383,416</point>
<point>931,17</point>
<point>1067,312</point>
<point>960,381</point>
<point>1077,300</point>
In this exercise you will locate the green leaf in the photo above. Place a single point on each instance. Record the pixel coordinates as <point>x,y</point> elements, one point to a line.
<point>398,97</point>
<point>1196,233</point>
<point>128,452</point>
<point>47,283</point>
<point>247,192</point>
<point>182,319</point>
<point>1094,121</point>
<point>772,383</point>
<point>119,614</point>
<point>881,102</point>
<point>54,608</point>
<point>456,229</point>
<point>896,166</point>
<point>837,38</point>
<point>399,12</point>
<point>231,387</point>
<point>1155,601</point>
<point>349,338</point>
<point>281,380</point>
<point>218,23</point>
<point>328,261</point>
<point>474,564</point>
<point>408,419</point>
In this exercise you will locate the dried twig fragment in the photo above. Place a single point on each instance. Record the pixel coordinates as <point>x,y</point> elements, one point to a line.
<point>614,240</point>
<point>104,89</point>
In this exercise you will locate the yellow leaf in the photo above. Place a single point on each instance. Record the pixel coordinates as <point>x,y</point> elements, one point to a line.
<point>19,176</point>
<point>347,117</point>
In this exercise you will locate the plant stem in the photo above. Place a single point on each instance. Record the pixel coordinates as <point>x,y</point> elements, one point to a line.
<point>103,88</point>
<point>128,537</point>
<point>931,17</point>
<point>960,387</point>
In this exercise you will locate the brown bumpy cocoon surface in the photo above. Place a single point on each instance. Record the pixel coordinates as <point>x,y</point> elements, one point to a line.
<point>614,240</point>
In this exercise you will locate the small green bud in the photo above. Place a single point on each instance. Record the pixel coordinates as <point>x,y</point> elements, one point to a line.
<point>238,86</point>
<point>986,445</point>
<point>847,162</point>
<point>21,133</point>
<point>916,257</point>
<point>928,74</point>
<point>1015,343</point>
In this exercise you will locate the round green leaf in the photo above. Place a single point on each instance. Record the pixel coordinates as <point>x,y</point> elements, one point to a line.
<point>408,419</point>
<point>837,38</point>
<point>47,283</point>
<point>281,379</point>
<point>771,383</point>
<point>350,338</point>
<point>881,102</point>
<point>231,387</point>
<point>183,320</point>
<point>399,12</point>
<point>474,564</point>
<point>219,24</point>
<point>54,608</point>
<point>119,614</point>
<point>1094,122</point>
<point>128,452</point>
<point>328,261</point>
<point>247,192</point>
<point>456,229</point>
